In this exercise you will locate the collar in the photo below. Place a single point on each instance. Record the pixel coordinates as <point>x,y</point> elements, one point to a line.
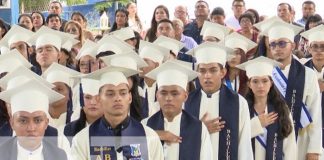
<point>204,94</point>
<point>24,152</point>
<point>117,130</point>
<point>177,118</point>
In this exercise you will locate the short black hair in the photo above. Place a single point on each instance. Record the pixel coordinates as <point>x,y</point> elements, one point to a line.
<point>202,2</point>
<point>238,1</point>
<point>165,21</point>
<point>289,6</point>
<point>246,15</point>
<point>218,11</point>
<point>25,15</point>
<point>57,2</point>
<point>310,2</point>
<point>52,15</point>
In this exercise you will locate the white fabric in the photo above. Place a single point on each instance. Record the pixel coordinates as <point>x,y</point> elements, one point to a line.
<point>25,101</point>
<point>232,22</point>
<point>114,78</point>
<point>44,39</point>
<point>211,106</point>
<point>178,78</point>
<point>59,122</point>
<point>23,154</point>
<point>80,145</point>
<point>211,55</point>
<point>278,32</point>
<point>152,105</point>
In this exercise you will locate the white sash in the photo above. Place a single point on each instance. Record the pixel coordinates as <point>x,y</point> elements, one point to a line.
<point>263,137</point>
<point>281,83</point>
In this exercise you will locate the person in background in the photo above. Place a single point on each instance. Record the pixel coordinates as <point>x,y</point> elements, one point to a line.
<point>254,14</point>
<point>247,30</point>
<point>55,7</point>
<point>26,20</point>
<point>75,28</point>
<point>308,8</point>
<point>121,19</point>
<point>79,17</point>
<point>54,21</point>
<point>4,28</point>
<point>38,20</point>
<point>178,35</point>
<point>160,12</point>
<point>134,20</point>
<point>181,12</point>
<point>238,8</point>
<point>218,16</point>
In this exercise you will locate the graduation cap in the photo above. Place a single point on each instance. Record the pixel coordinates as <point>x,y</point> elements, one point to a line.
<point>59,73</point>
<point>69,44</point>
<point>214,30</point>
<point>236,40</point>
<point>19,76</point>
<point>314,34</point>
<point>11,60</point>
<point>280,29</point>
<point>30,97</point>
<point>211,52</point>
<point>90,86</point>
<point>16,34</point>
<point>260,66</point>
<point>4,50</point>
<point>129,60</point>
<point>181,75</point>
<point>261,26</point>
<point>171,44</point>
<point>48,36</point>
<point>111,43</point>
<point>153,52</point>
<point>111,75</point>
<point>123,33</point>
<point>88,48</point>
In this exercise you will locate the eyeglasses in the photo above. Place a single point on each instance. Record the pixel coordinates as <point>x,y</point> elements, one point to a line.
<point>317,47</point>
<point>281,44</point>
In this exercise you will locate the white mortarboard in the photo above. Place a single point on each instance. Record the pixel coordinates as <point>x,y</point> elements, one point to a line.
<point>59,73</point>
<point>4,50</point>
<point>12,60</point>
<point>183,63</point>
<point>90,86</point>
<point>19,76</point>
<point>153,52</point>
<point>111,75</point>
<point>261,26</point>
<point>214,30</point>
<point>128,60</point>
<point>211,52</point>
<point>69,44</point>
<point>48,36</point>
<point>111,43</point>
<point>171,44</point>
<point>88,48</point>
<point>281,29</point>
<point>181,75</point>
<point>30,97</point>
<point>260,66</point>
<point>236,40</point>
<point>16,34</point>
<point>314,34</point>
<point>123,33</point>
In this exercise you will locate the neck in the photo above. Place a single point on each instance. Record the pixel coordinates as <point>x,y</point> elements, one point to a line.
<point>91,119</point>
<point>200,21</point>
<point>178,37</point>
<point>286,62</point>
<point>131,16</point>
<point>318,64</point>
<point>233,73</point>
<point>114,121</point>
<point>28,147</point>
<point>170,116</point>
<point>260,103</point>
<point>43,68</point>
<point>56,111</point>
<point>149,82</point>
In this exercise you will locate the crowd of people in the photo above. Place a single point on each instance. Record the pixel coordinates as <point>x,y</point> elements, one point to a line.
<point>246,87</point>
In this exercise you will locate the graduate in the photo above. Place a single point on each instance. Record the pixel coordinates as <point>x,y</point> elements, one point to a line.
<point>184,136</point>
<point>148,85</point>
<point>272,131</point>
<point>299,85</point>
<point>86,58</point>
<point>29,121</point>
<point>224,112</point>
<point>61,112</point>
<point>315,47</point>
<point>116,135</point>
<point>214,32</point>
<point>235,78</point>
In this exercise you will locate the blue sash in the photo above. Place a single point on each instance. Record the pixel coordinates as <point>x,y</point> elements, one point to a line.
<point>272,144</point>
<point>229,111</point>
<point>292,90</point>
<point>311,65</point>
<point>190,131</point>
<point>145,105</point>
<point>135,149</point>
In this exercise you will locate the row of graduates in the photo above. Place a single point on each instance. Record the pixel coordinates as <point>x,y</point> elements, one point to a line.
<point>228,121</point>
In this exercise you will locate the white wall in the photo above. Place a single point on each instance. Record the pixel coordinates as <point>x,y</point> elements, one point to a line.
<point>264,7</point>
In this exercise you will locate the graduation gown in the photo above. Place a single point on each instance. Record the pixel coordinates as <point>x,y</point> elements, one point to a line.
<point>309,138</point>
<point>149,105</point>
<point>9,151</point>
<point>289,147</point>
<point>195,137</point>
<point>81,142</point>
<point>198,98</point>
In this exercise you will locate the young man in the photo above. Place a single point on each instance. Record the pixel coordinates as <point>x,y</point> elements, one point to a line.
<point>55,7</point>
<point>225,113</point>
<point>54,21</point>
<point>124,137</point>
<point>308,9</point>
<point>184,136</point>
<point>316,49</point>
<point>238,7</point>
<point>298,84</point>
<point>29,121</point>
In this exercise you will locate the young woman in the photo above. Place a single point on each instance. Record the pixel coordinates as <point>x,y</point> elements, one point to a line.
<point>272,131</point>
<point>79,17</point>
<point>27,20</point>
<point>133,20</point>
<point>38,20</point>
<point>121,19</point>
<point>160,12</point>
<point>75,28</point>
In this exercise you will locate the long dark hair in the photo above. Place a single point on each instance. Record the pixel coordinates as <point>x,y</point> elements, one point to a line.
<point>4,115</point>
<point>43,18</point>
<point>137,19</point>
<point>136,104</point>
<point>123,10</point>
<point>151,33</point>
<point>280,106</point>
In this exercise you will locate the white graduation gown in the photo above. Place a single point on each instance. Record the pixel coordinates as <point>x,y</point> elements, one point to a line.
<point>171,152</point>
<point>211,106</point>
<point>80,145</point>
<point>23,154</point>
<point>57,123</point>
<point>289,143</point>
<point>310,138</point>
<point>153,106</point>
